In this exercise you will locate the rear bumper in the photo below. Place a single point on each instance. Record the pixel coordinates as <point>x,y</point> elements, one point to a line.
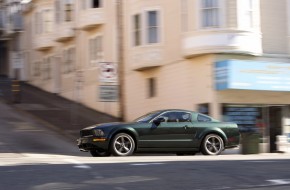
<point>92,143</point>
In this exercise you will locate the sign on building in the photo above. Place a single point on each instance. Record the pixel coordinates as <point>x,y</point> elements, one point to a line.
<point>252,75</point>
<point>108,72</point>
<point>16,60</point>
<point>108,93</point>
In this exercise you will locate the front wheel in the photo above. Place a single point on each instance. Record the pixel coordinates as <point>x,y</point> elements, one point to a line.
<point>122,145</point>
<point>212,144</point>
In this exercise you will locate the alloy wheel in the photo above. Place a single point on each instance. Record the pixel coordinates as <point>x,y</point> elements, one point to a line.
<point>123,145</point>
<point>212,145</point>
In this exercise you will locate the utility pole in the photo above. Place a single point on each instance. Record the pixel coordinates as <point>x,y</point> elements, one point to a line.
<point>120,57</point>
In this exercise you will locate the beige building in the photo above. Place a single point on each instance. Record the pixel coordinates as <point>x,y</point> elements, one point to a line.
<point>225,58</point>
<point>70,48</point>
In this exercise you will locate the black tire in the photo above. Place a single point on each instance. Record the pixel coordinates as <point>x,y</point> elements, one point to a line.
<point>212,144</point>
<point>99,153</point>
<point>122,145</point>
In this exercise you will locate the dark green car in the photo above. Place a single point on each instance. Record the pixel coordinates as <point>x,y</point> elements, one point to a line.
<point>173,131</point>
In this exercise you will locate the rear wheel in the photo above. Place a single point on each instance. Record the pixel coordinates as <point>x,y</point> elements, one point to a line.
<point>212,144</point>
<point>99,153</point>
<point>122,145</point>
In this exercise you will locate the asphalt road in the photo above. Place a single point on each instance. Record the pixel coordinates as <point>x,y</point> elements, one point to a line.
<point>33,157</point>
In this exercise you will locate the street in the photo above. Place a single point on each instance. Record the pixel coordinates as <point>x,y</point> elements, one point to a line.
<point>34,157</point>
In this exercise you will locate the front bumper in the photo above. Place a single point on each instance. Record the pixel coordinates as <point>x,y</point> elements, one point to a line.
<point>92,143</point>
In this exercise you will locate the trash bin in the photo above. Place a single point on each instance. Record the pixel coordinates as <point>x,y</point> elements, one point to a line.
<point>281,141</point>
<point>250,143</point>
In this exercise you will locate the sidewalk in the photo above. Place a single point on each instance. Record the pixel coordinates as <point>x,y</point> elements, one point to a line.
<point>62,115</point>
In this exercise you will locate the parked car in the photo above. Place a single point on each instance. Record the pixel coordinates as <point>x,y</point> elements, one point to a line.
<point>174,131</point>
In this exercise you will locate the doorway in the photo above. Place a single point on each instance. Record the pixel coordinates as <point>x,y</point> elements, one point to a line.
<point>275,125</point>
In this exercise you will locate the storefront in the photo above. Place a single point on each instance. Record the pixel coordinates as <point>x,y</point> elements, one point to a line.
<point>255,95</point>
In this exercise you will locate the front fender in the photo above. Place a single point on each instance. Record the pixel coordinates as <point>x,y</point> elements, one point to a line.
<point>124,129</point>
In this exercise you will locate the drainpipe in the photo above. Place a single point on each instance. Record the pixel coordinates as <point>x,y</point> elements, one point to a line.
<point>120,57</point>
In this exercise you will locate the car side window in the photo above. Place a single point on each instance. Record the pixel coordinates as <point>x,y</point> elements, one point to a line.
<point>203,118</point>
<point>177,117</point>
<point>184,117</point>
<point>170,117</point>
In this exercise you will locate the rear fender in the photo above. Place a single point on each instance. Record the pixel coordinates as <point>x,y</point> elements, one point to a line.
<point>216,131</point>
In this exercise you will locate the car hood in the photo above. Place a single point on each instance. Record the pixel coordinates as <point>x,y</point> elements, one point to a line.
<point>110,125</point>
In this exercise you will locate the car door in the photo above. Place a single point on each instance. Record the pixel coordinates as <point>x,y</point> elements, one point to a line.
<point>176,131</point>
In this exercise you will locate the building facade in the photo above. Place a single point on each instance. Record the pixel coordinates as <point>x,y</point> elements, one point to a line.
<point>11,31</point>
<point>225,58</point>
<point>70,47</point>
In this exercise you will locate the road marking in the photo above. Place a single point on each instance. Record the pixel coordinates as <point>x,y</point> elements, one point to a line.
<point>120,180</point>
<point>279,181</point>
<point>78,164</point>
<point>120,188</point>
<point>146,164</point>
<point>262,161</point>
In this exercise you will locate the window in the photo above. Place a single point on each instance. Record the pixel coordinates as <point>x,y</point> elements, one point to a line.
<point>96,50</point>
<point>203,118</point>
<point>38,23</point>
<point>68,60</point>
<point>46,69</point>
<point>151,87</point>
<point>47,21</point>
<point>63,11</point>
<point>137,29</point>
<point>68,10</point>
<point>210,13</point>
<point>247,17</point>
<point>57,11</point>
<point>96,3</point>
<point>36,69</point>
<point>152,27</point>
<point>44,21</point>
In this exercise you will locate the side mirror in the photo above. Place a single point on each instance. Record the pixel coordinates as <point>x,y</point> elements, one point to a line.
<point>158,120</point>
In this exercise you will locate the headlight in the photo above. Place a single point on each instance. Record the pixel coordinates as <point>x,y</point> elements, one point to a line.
<point>99,132</point>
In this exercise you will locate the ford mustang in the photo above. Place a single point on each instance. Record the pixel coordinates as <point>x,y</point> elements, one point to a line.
<point>172,131</point>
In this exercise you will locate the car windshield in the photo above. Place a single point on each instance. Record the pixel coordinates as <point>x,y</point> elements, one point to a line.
<point>148,117</point>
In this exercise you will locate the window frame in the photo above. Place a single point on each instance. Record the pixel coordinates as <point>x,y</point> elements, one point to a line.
<point>37,69</point>
<point>68,10</point>
<point>247,11</point>
<point>144,34</point>
<point>69,60</point>
<point>137,30</point>
<point>97,55</point>
<point>48,21</point>
<point>46,68</point>
<point>147,26</point>
<point>210,9</point>
<point>209,119</point>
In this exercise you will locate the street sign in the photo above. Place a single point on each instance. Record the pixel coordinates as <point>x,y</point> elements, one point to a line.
<point>108,93</point>
<point>108,72</point>
<point>16,60</point>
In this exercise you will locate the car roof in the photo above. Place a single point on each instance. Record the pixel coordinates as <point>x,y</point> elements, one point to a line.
<point>176,110</point>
